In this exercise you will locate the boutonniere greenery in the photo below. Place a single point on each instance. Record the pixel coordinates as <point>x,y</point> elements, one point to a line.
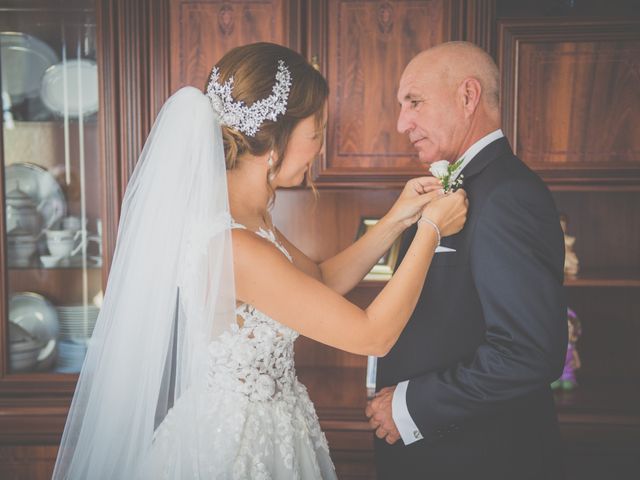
<point>446,173</point>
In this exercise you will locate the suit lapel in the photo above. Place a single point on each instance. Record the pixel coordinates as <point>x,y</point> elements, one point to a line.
<point>494,150</point>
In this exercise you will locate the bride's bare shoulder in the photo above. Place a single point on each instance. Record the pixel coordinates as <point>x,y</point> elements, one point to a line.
<point>258,267</point>
<point>250,248</point>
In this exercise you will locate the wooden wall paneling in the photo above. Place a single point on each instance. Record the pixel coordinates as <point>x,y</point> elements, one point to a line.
<point>570,102</point>
<point>32,421</point>
<point>365,46</point>
<point>203,31</point>
<point>27,463</point>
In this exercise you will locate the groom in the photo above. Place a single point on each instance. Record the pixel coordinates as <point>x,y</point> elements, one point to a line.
<point>465,392</point>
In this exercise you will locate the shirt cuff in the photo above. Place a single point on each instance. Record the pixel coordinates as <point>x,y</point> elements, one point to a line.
<point>405,424</point>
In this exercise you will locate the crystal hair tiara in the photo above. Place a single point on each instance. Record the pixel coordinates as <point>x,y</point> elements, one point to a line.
<point>236,114</point>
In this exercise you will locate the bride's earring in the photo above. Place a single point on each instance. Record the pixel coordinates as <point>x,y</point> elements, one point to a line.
<point>270,163</point>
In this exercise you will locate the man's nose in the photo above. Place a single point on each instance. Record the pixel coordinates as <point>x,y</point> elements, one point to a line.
<point>403,125</point>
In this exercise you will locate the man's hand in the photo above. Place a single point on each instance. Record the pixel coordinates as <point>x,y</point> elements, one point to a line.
<point>380,418</point>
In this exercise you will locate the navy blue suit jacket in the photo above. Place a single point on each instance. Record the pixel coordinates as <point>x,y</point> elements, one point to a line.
<point>488,335</point>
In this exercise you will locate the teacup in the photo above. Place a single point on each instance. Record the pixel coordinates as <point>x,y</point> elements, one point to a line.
<point>64,243</point>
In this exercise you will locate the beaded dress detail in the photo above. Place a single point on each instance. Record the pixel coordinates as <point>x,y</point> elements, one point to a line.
<point>260,423</point>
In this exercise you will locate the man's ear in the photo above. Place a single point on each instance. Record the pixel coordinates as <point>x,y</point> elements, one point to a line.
<point>470,92</point>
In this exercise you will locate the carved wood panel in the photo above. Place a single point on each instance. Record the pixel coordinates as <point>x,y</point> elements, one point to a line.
<point>203,31</point>
<point>365,47</point>
<point>571,103</point>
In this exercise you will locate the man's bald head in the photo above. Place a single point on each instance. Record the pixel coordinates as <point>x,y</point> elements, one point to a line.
<point>448,99</point>
<point>455,61</point>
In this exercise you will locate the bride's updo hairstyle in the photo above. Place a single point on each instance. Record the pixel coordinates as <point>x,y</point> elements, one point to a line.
<point>253,68</point>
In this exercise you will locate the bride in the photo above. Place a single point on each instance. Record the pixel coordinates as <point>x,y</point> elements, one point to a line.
<point>190,370</point>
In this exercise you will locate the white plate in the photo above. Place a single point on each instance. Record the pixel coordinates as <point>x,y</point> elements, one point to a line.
<point>36,315</point>
<point>81,87</point>
<point>24,58</point>
<point>42,188</point>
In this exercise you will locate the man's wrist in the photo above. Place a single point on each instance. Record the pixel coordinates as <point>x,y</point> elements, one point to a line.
<point>409,431</point>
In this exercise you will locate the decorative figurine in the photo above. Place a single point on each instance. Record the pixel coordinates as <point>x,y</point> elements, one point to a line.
<point>571,263</point>
<point>572,361</point>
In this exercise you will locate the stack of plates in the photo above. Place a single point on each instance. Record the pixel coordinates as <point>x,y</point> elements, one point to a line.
<point>77,322</point>
<point>70,356</point>
<point>76,326</point>
<point>24,349</point>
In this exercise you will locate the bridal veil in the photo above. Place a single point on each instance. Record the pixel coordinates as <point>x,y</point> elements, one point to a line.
<point>170,293</point>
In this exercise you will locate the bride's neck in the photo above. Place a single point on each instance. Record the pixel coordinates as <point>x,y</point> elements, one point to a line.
<point>249,193</point>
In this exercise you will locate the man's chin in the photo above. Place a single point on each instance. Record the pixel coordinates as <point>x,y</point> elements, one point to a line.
<point>426,159</point>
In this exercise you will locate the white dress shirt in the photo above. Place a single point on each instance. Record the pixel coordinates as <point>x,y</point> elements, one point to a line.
<point>401,416</point>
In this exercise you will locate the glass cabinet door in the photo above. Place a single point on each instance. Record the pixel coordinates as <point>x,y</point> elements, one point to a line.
<point>52,184</point>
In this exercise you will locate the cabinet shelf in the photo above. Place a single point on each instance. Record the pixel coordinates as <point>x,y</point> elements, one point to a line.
<point>605,277</point>
<point>588,277</point>
<point>601,400</point>
<point>62,286</point>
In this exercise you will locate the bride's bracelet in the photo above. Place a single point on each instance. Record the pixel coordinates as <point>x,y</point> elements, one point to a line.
<point>433,224</point>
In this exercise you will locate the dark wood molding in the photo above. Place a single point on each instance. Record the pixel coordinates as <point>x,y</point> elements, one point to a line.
<point>456,13</point>
<point>159,47</point>
<point>32,425</point>
<point>4,357</point>
<point>133,43</point>
<point>480,21</point>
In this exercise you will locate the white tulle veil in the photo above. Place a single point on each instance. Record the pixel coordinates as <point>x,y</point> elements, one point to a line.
<point>170,293</point>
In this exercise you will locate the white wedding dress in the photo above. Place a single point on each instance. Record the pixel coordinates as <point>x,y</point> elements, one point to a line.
<point>259,422</point>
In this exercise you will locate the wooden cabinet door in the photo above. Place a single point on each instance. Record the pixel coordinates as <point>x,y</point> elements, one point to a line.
<point>203,31</point>
<point>362,48</point>
<point>570,98</point>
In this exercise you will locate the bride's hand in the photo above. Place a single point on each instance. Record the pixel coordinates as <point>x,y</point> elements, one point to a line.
<point>416,194</point>
<point>449,212</point>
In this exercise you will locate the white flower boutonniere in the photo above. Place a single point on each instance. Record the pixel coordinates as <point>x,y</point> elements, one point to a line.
<point>443,171</point>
